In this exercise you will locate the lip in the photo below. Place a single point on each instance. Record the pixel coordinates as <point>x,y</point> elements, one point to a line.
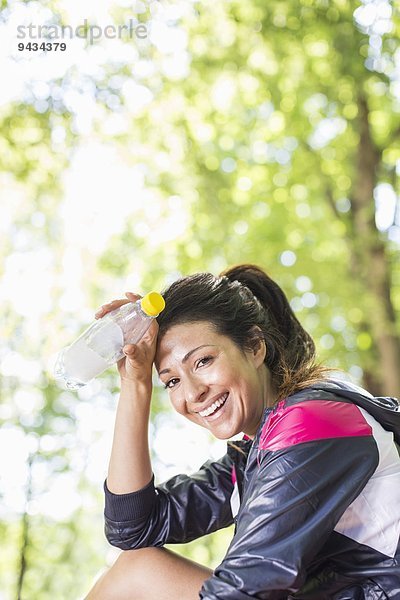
<point>218,412</point>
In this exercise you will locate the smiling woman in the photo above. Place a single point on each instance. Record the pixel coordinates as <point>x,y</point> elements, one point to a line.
<point>211,381</point>
<point>303,487</point>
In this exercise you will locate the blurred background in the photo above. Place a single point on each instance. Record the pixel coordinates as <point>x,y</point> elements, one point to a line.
<point>226,132</point>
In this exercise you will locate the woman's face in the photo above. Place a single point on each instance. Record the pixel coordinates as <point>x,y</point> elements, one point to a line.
<point>210,381</point>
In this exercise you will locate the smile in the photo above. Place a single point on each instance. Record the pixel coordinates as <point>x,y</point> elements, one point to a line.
<point>214,406</point>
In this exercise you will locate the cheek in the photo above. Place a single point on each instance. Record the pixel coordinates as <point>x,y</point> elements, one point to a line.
<point>178,404</point>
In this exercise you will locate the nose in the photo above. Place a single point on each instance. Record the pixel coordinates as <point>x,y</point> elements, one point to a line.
<point>194,390</point>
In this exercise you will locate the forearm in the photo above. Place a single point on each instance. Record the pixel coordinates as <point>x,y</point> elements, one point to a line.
<point>130,467</point>
<point>179,510</point>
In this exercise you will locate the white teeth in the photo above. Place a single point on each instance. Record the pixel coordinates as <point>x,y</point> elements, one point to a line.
<point>211,409</point>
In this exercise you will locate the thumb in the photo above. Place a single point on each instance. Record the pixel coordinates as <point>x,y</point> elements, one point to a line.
<point>129,349</point>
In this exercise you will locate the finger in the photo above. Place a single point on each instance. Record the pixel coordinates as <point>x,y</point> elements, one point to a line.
<point>151,333</point>
<point>132,297</point>
<point>129,349</point>
<point>106,308</point>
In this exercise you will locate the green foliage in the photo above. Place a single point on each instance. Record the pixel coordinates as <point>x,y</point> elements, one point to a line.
<point>246,142</point>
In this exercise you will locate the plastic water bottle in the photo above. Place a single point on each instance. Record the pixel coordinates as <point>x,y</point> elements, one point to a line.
<point>101,344</point>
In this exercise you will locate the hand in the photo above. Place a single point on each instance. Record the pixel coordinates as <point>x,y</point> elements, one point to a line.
<point>138,360</point>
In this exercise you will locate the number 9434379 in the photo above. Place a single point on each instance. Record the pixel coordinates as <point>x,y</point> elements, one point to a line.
<point>43,47</point>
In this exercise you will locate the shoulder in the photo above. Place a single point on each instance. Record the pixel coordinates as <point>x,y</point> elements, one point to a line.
<point>311,416</point>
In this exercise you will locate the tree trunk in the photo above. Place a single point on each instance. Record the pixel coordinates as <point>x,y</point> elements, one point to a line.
<point>25,533</point>
<point>370,253</point>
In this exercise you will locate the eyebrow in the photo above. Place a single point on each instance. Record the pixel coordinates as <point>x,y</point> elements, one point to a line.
<point>187,356</point>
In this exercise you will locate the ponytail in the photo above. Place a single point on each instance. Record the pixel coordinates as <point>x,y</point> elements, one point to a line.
<point>290,349</point>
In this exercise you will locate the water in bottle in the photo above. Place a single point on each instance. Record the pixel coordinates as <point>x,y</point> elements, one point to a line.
<point>100,346</point>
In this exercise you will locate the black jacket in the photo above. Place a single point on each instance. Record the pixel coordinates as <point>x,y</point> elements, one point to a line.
<point>319,495</point>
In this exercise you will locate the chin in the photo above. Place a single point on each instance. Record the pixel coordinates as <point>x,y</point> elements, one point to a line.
<point>222,436</point>
<point>225,434</point>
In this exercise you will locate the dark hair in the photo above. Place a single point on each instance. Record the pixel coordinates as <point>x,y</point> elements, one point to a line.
<point>246,305</point>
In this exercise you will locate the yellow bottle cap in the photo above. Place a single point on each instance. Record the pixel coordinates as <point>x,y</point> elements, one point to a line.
<point>152,304</point>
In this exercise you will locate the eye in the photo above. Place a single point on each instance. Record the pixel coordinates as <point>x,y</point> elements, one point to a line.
<point>171,383</point>
<point>203,361</point>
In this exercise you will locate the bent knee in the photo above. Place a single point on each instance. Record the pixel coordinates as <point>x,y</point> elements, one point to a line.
<point>128,573</point>
<point>140,553</point>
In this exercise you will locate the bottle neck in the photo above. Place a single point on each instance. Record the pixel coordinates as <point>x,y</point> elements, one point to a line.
<point>142,312</point>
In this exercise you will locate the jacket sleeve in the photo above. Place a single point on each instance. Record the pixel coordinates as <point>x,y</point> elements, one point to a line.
<point>305,481</point>
<point>178,511</point>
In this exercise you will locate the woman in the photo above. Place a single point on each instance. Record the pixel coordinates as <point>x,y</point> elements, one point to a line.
<point>313,488</point>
